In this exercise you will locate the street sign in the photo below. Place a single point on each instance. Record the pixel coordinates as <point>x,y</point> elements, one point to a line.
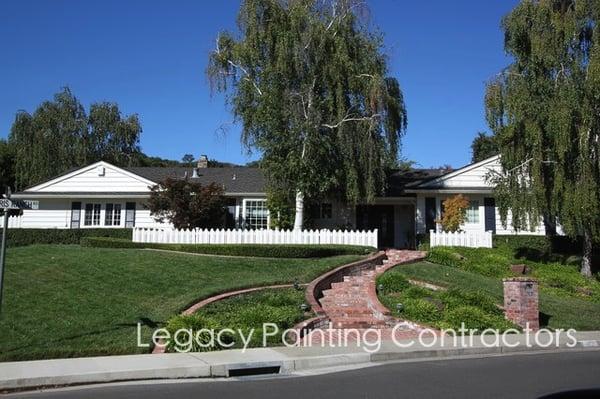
<point>6,203</point>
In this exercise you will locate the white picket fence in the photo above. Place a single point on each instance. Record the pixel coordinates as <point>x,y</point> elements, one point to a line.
<point>239,236</point>
<point>477,239</point>
<point>14,222</point>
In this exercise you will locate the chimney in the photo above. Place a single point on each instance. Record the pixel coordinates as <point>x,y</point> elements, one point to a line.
<point>202,162</point>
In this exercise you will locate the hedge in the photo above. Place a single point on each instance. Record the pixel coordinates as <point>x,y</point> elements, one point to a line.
<point>22,237</point>
<point>254,250</point>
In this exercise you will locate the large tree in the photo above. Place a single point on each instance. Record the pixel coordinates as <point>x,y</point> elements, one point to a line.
<point>59,136</point>
<point>309,83</point>
<point>7,172</point>
<point>545,112</point>
<point>483,147</point>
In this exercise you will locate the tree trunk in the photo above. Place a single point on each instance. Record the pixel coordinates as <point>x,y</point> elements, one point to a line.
<point>586,261</point>
<point>299,218</point>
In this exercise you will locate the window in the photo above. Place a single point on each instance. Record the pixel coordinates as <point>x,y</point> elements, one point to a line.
<point>473,212</point>
<point>112,215</point>
<point>92,215</point>
<point>256,214</point>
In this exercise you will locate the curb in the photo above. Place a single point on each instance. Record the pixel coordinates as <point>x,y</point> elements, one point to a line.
<point>62,372</point>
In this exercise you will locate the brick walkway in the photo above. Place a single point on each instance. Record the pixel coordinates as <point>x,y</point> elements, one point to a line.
<point>353,305</point>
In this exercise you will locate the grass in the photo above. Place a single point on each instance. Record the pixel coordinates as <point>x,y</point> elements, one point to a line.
<point>68,301</point>
<point>556,311</point>
<point>246,313</point>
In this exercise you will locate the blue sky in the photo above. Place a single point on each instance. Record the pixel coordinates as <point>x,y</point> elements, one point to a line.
<point>150,56</point>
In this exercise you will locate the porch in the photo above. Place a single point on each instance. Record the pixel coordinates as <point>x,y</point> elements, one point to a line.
<point>394,219</point>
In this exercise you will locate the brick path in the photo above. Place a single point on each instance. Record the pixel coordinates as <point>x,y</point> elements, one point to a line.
<point>352,304</point>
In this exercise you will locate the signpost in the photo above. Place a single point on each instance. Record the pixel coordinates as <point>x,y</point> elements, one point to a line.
<point>6,204</point>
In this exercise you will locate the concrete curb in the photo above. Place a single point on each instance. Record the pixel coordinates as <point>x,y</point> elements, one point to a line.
<point>60,372</point>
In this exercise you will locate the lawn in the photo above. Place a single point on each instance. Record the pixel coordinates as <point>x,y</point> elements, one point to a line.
<point>558,311</point>
<point>68,301</point>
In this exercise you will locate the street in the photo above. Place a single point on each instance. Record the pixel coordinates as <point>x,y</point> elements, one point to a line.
<point>516,376</point>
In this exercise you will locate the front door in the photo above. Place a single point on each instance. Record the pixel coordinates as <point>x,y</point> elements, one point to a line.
<point>380,217</point>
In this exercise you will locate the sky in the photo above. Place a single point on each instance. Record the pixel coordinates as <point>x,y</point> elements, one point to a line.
<point>150,58</point>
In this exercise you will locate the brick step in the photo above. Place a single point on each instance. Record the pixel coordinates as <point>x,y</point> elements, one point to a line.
<point>349,312</point>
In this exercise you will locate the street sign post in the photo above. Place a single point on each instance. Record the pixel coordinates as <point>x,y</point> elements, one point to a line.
<point>6,204</point>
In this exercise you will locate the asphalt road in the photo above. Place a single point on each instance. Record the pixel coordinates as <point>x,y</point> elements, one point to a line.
<point>522,376</point>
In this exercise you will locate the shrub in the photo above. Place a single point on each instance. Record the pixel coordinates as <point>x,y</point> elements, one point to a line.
<point>445,256</point>
<point>456,297</point>
<point>393,282</point>
<point>454,212</point>
<point>22,237</point>
<point>474,318</point>
<point>421,310</point>
<point>253,250</point>
<point>202,341</point>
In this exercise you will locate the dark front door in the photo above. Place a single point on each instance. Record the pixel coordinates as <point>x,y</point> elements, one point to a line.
<point>490,214</point>
<point>380,217</point>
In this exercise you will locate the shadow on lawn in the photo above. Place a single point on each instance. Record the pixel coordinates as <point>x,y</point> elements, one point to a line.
<point>144,321</point>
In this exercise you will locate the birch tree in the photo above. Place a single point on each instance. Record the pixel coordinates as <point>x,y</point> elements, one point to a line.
<point>308,81</point>
<point>544,109</point>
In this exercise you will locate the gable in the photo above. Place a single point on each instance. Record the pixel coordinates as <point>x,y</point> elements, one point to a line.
<point>470,176</point>
<point>98,177</point>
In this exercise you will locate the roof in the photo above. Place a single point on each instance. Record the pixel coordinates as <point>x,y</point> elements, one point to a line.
<point>399,180</point>
<point>234,180</point>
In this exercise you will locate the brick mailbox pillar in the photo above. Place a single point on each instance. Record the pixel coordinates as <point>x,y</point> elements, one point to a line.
<point>521,301</point>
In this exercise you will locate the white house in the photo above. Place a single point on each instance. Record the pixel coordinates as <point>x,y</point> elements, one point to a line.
<point>102,195</point>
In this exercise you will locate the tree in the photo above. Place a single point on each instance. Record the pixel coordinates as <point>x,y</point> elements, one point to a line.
<point>483,147</point>
<point>309,82</point>
<point>186,204</point>
<point>111,137</point>
<point>188,160</point>
<point>7,173</point>
<point>544,110</point>
<point>60,136</point>
<point>454,212</point>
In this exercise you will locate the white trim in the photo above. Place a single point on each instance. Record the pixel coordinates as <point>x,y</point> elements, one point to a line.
<point>452,191</point>
<point>86,169</point>
<point>244,200</point>
<point>49,195</point>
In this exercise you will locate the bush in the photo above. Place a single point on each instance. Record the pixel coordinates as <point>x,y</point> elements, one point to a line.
<point>22,237</point>
<point>393,282</point>
<point>253,250</point>
<point>474,318</point>
<point>420,310</point>
<point>201,341</point>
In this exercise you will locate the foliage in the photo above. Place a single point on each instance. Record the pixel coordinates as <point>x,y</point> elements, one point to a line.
<point>22,237</point>
<point>483,147</point>
<point>188,160</point>
<point>544,110</point>
<point>454,212</point>
<point>59,136</point>
<point>199,326</point>
<point>251,250</point>
<point>442,309</point>
<point>7,172</point>
<point>393,282</point>
<point>70,301</point>
<point>187,204</point>
<point>309,83</point>
<point>281,209</point>
<point>559,278</point>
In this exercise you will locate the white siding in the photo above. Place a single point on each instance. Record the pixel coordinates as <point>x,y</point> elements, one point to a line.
<point>472,176</point>
<point>52,213</point>
<point>89,180</point>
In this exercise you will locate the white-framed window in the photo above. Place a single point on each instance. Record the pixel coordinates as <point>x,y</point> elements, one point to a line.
<point>256,214</point>
<point>92,214</point>
<point>472,215</point>
<point>112,215</point>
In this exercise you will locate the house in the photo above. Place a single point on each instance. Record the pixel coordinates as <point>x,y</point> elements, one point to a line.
<point>102,195</point>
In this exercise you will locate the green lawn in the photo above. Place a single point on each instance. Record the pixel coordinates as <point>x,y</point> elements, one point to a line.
<point>67,301</point>
<point>558,311</point>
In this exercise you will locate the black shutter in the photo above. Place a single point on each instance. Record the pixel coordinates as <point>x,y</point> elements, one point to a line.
<point>430,210</point>
<point>130,214</point>
<point>490,214</point>
<point>75,215</point>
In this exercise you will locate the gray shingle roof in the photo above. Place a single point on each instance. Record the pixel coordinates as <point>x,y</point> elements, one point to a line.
<point>234,180</point>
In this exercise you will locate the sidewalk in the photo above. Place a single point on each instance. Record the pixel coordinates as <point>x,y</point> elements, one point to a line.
<point>43,373</point>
